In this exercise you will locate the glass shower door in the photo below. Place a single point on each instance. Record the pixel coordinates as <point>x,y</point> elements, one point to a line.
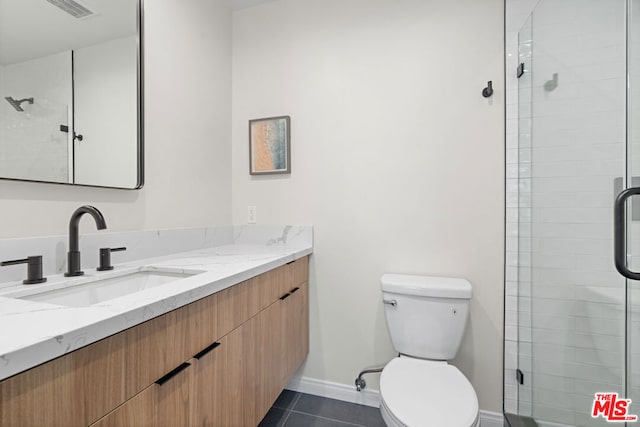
<point>631,246</point>
<point>572,148</point>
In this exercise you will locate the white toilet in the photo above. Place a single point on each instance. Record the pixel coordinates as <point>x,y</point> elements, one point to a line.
<point>426,318</point>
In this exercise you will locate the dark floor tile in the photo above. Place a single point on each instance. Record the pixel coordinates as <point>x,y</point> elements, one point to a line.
<point>339,410</point>
<point>297,419</point>
<point>274,418</point>
<point>287,399</point>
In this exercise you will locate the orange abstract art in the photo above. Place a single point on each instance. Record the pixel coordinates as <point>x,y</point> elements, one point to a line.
<point>269,148</point>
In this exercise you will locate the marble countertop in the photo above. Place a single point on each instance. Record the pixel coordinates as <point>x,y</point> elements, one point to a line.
<point>35,332</point>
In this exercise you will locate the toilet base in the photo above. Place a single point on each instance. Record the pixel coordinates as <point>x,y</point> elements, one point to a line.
<point>391,421</point>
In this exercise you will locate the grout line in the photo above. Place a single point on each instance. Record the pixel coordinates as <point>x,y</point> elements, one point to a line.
<point>286,418</point>
<point>299,395</point>
<point>289,406</point>
<point>327,418</point>
<point>288,411</point>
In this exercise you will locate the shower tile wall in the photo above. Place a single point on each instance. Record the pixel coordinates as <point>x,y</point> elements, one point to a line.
<point>47,81</point>
<point>562,290</point>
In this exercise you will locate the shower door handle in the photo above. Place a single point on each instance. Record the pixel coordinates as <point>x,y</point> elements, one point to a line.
<point>620,233</point>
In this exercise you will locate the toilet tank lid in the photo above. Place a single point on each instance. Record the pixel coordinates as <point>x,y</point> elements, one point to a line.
<point>426,286</point>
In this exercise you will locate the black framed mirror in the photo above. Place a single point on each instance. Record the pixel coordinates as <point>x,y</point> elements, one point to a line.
<point>71,92</point>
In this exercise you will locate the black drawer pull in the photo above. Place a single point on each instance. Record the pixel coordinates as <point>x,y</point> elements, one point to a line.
<point>285,296</point>
<point>173,373</point>
<point>206,350</point>
<point>295,289</point>
<point>291,262</point>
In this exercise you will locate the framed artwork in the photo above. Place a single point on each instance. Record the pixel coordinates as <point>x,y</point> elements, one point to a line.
<point>269,145</point>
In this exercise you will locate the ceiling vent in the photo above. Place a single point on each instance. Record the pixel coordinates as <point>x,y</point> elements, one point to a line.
<point>73,8</point>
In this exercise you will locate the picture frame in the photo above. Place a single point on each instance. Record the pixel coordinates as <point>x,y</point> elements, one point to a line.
<point>270,145</point>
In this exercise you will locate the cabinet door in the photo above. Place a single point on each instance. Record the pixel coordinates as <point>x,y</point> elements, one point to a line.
<point>164,403</point>
<point>300,327</point>
<point>269,372</point>
<point>45,395</point>
<point>294,329</point>
<point>218,395</point>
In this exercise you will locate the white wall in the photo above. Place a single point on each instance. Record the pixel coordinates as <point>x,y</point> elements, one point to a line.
<point>187,150</point>
<point>397,161</point>
<point>105,113</point>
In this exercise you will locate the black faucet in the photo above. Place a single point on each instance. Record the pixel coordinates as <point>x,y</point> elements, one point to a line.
<point>73,256</point>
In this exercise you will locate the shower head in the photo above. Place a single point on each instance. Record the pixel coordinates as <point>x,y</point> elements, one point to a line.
<point>17,104</point>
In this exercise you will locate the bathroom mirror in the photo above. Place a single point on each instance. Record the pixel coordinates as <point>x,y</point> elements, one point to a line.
<point>71,92</point>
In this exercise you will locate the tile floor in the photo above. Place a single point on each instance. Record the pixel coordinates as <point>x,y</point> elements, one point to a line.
<point>293,409</point>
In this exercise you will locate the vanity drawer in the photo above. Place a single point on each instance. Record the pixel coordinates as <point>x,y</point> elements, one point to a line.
<point>118,367</point>
<point>298,271</point>
<point>28,399</point>
<point>243,301</point>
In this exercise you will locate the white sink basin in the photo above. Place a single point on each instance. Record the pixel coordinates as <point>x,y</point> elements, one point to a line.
<point>101,290</point>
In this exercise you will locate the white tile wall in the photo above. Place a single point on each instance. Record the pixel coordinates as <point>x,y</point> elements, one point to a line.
<point>564,317</point>
<point>46,157</point>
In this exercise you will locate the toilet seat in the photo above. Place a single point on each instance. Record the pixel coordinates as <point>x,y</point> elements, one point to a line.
<point>426,393</point>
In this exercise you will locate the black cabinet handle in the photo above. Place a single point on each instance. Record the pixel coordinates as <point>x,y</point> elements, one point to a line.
<point>173,373</point>
<point>296,289</point>
<point>34,269</point>
<point>291,262</point>
<point>206,350</point>
<point>285,296</point>
<point>620,233</point>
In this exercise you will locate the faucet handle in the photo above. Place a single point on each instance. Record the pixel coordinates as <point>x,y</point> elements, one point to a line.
<point>34,269</point>
<point>105,258</point>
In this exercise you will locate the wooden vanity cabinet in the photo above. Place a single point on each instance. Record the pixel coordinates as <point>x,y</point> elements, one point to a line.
<point>238,348</point>
<point>165,403</point>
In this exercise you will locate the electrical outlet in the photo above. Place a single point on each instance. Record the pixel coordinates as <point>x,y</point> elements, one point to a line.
<point>251,214</point>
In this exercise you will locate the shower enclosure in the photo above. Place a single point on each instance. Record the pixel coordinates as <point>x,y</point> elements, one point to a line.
<point>573,319</point>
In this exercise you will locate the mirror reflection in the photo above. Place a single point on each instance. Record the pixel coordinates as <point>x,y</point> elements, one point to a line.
<point>70,92</point>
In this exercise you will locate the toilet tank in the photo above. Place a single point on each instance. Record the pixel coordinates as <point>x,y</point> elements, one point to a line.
<point>426,316</point>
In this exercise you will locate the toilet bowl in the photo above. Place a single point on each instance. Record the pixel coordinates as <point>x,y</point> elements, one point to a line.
<point>425,393</point>
<point>426,318</point>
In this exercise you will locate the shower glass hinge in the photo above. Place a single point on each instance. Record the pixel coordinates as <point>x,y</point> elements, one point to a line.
<point>519,376</point>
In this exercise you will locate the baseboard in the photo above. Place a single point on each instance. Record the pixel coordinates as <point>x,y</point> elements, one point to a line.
<point>334,391</point>
<point>348,393</point>
<point>491,419</point>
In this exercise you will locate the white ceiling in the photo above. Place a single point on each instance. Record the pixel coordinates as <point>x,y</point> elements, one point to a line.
<point>35,28</point>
